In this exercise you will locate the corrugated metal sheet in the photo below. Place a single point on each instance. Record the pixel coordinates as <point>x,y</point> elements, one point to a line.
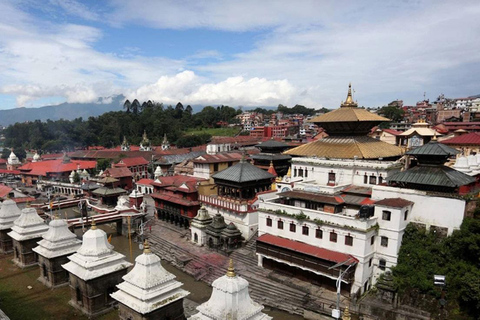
<point>362,147</point>
<point>472,138</point>
<point>433,148</point>
<point>243,172</point>
<point>433,176</point>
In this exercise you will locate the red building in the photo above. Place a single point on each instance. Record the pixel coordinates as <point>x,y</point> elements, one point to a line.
<point>123,174</point>
<point>176,198</point>
<point>58,169</point>
<point>137,165</point>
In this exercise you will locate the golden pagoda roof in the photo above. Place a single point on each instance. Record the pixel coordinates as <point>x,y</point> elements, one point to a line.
<point>348,112</point>
<point>347,147</point>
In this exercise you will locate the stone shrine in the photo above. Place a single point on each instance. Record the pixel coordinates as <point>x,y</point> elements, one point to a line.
<point>9,212</point>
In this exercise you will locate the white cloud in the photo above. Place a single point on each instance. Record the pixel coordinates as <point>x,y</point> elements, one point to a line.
<point>189,88</point>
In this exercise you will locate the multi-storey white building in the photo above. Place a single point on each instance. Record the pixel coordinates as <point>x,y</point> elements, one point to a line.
<point>337,213</point>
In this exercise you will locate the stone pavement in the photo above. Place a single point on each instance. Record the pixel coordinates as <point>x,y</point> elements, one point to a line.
<point>266,286</point>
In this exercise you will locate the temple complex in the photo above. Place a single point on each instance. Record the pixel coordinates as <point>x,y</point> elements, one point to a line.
<point>27,230</point>
<point>9,212</point>
<point>94,271</point>
<point>149,291</point>
<point>57,243</point>
<point>230,300</point>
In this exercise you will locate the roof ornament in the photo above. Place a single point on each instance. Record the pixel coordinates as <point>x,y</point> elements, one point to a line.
<point>346,314</point>
<point>349,103</point>
<point>94,225</point>
<point>146,247</point>
<point>434,136</point>
<point>231,271</point>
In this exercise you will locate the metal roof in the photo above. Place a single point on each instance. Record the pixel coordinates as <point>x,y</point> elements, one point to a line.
<point>243,172</point>
<point>271,156</point>
<point>347,147</point>
<point>472,138</point>
<point>432,176</point>
<point>272,144</point>
<point>433,148</point>
<point>350,114</point>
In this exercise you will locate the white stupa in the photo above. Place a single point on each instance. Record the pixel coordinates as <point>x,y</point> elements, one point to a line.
<point>472,163</point>
<point>9,212</point>
<point>36,157</point>
<point>148,287</point>
<point>198,227</point>
<point>57,241</point>
<point>26,231</point>
<point>13,159</point>
<point>461,164</point>
<point>230,300</point>
<point>96,256</point>
<point>158,172</point>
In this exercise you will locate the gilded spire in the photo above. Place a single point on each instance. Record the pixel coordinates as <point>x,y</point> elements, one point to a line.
<point>434,136</point>
<point>94,225</point>
<point>231,270</point>
<point>146,247</point>
<point>349,101</point>
<point>346,314</point>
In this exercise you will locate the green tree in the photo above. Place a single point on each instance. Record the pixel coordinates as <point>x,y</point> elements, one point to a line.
<point>391,112</point>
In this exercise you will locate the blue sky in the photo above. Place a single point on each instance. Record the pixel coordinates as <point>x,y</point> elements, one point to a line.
<point>249,53</point>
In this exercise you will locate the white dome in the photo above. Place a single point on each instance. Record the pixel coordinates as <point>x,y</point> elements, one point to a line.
<point>461,164</point>
<point>9,212</point>
<point>13,159</point>
<point>95,243</point>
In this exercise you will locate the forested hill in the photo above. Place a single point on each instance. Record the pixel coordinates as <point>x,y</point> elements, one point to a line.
<point>67,111</point>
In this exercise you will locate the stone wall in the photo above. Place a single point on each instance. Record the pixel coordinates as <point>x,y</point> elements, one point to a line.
<point>173,311</point>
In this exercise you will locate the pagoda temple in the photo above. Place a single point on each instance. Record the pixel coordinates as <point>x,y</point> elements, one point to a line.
<point>57,243</point>
<point>149,291</point>
<point>27,230</point>
<point>9,212</point>
<point>145,145</point>
<point>271,152</point>
<point>94,271</point>
<point>230,300</point>
<point>348,128</point>
<point>431,174</point>
<point>13,162</point>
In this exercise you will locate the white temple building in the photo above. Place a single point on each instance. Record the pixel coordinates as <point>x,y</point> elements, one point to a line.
<point>149,291</point>
<point>27,230</point>
<point>230,300</point>
<point>13,162</point>
<point>95,269</point>
<point>198,227</point>
<point>9,212</point>
<point>57,243</point>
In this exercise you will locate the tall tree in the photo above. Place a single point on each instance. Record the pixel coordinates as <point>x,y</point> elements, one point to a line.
<point>135,106</point>
<point>127,105</point>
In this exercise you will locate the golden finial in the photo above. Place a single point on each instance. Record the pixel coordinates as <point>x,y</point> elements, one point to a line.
<point>94,225</point>
<point>289,173</point>
<point>349,101</point>
<point>434,136</point>
<point>146,247</point>
<point>346,314</point>
<point>231,270</point>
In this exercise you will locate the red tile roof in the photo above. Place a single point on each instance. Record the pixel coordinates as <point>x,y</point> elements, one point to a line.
<point>394,202</point>
<point>177,200</point>
<point>219,157</point>
<point>144,182</point>
<point>392,132</point>
<point>472,138</point>
<point>41,168</point>
<point>3,161</point>
<point>307,249</point>
<point>118,172</point>
<point>134,161</point>
<point>175,182</point>
<point>9,171</point>
<point>23,199</point>
<point>4,190</point>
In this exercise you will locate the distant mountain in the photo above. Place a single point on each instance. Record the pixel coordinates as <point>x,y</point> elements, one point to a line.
<point>67,111</point>
<point>476,96</point>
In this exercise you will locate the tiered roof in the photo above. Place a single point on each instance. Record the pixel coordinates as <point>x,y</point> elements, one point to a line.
<point>96,257</point>
<point>57,241</point>
<point>28,226</point>
<point>9,212</point>
<point>243,172</point>
<point>202,219</point>
<point>230,300</point>
<point>148,286</point>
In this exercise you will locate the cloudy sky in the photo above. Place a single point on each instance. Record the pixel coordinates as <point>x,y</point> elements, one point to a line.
<point>250,53</point>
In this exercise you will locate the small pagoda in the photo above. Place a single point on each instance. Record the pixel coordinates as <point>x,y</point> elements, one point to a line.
<point>57,243</point>
<point>149,291</point>
<point>94,271</point>
<point>27,230</point>
<point>230,300</point>
<point>271,152</point>
<point>145,145</point>
<point>430,174</point>
<point>214,231</point>
<point>231,238</point>
<point>198,226</point>
<point>9,212</point>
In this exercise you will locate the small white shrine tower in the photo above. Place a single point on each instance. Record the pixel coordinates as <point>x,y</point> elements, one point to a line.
<point>230,300</point>
<point>94,272</point>
<point>9,212</point>
<point>57,243</point>
<point>198,227</point>
<point>27,230</point>
<point>149,291</point>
